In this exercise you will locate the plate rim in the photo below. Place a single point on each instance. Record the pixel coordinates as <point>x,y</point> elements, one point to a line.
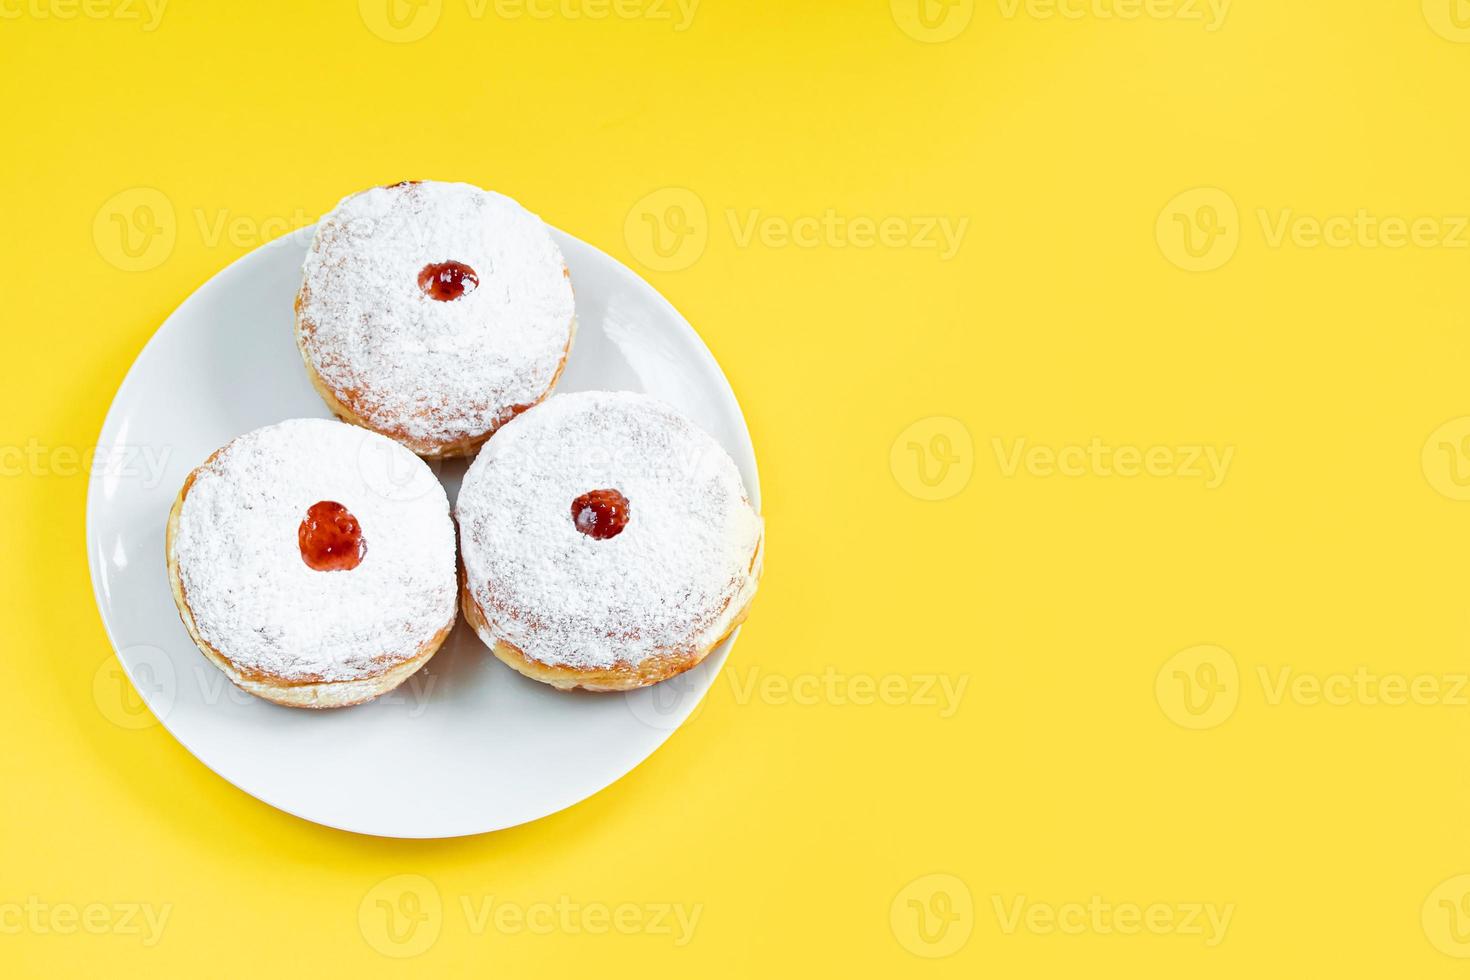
<point>108,431</point>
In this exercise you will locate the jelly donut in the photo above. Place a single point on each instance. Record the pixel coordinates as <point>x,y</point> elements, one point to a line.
<point>314,563</point>
<point>607,543</point>
<point>433,313</point>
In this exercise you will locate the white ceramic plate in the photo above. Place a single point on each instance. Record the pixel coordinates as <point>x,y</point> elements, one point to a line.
<point>467,745</point>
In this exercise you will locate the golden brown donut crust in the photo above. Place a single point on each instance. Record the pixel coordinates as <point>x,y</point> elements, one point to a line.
<point>621,677</point>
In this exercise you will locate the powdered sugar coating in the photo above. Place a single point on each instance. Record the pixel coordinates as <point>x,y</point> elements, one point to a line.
<point>257,602</point>
<point>671,581</point>
<point>426,371</point>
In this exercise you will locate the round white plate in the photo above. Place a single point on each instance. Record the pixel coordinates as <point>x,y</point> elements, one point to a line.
<point>467,745</point>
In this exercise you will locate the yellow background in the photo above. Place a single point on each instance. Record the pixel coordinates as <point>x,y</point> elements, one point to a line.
<point>1079,149</point>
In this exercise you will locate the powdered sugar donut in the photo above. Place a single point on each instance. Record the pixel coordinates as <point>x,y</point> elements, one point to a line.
<point>607,542</point>
<point>433,313</point>
<point>314,562</point>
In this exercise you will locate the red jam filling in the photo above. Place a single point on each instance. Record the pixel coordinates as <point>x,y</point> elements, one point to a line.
<point>447,281</point>
<point>600,514</point>
<point>330,538</point>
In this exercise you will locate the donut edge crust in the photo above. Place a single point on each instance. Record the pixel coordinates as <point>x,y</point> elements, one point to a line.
<point>343,407</point>
<point>273,687</point>
<point>621,677</point>
<point>341,404</point>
